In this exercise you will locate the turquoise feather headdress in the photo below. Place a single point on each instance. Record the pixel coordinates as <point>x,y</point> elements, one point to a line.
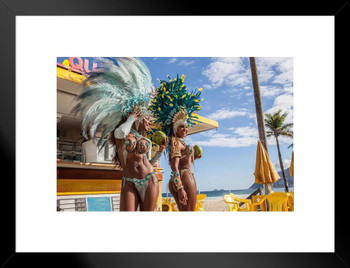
<point>110,92</point>
<point>171,101</point>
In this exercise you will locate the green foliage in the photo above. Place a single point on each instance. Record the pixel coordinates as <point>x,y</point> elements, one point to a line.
<point>275,124</point>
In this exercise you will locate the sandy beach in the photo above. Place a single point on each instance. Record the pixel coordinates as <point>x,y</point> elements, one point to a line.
<point>216,204</point>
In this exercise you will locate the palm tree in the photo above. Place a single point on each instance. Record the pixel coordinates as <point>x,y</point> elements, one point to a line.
<point>276,127</point>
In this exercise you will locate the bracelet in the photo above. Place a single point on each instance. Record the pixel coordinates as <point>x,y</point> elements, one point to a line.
<point>174,173</point>
<point>178,183</point>
<point>176,179</point>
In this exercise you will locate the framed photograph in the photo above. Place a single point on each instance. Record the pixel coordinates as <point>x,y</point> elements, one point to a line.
<point>213,45</point>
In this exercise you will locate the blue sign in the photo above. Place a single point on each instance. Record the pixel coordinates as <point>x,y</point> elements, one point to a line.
<point>99,203</point>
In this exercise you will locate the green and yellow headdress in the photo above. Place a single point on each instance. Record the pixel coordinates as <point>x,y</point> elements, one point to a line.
<point>173,103</point>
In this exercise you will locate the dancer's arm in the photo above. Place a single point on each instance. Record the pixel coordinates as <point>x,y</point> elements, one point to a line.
<point>155,158</point>
<point>158,154</point>
<point>124,129</point>
<point>182,195</point>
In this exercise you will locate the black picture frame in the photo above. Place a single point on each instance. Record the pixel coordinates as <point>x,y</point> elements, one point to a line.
<point>9,9</point>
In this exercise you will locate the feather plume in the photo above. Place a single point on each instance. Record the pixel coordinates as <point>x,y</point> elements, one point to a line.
<point>110,92</point>
<point>170,98</point>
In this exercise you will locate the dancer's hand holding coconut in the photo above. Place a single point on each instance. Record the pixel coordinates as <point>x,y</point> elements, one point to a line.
<point>160,139</point>
<point>198,151</point>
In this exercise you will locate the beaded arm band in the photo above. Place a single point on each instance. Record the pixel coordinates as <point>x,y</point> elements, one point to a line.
<point>156,157</point>
<point>175,176</point>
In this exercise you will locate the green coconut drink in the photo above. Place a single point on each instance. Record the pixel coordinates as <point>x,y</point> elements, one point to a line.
<point>159,137</point>
<point>197,150</point>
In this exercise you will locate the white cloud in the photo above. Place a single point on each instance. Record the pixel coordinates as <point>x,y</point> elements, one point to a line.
<point>186,63</point>
<point>284,78</point>
<point>283,141</point>
<point>246,131</point>
<point>207,86</point>
<point>235,72</point>
<point>181,62</point>
<point>279,70</point>
<point>228,142</point>
<point>270,91</point>
<point>209,133</point>
<point>286,65</point>
<point>238,137</point>
<point>288,89</point>
<point>285,103</point>
<point>285,162</point>
<point>225,113</point>
<point>172,60</point>
<point>229,71</point>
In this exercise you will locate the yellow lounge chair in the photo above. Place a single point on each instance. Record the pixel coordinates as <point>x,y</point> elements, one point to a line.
<point>174,207</point>
<point>166,204</point>
<point>170,205</point>
<point>166,207</point>
<point>199,204</point>
<point>256,199</point>
<point>247,202</point>
<point>233,202</point>
<point>277,202</point>
<point>232,205</point>
<point>290,202</point>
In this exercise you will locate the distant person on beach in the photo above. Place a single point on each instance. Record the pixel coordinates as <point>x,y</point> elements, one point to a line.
<point>175,109</point>
<point>115,98</point>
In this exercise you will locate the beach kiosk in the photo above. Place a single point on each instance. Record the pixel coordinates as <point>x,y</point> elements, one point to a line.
<point>87,180</point>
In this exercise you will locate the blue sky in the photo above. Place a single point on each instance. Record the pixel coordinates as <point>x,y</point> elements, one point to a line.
<point>228,160</point>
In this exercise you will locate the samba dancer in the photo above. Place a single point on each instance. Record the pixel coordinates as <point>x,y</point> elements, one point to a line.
<point>116,96</point>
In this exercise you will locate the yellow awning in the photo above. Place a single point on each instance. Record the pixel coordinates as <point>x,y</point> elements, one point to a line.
<point>69,75</point>
<point>203,124</point>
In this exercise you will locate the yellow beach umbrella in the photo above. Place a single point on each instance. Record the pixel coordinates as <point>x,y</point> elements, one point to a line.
<point>265,172</point>
<point>291,168</point>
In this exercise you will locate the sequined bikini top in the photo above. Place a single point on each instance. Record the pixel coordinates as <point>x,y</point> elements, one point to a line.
<point>175,149</point>
<point>188,149</point>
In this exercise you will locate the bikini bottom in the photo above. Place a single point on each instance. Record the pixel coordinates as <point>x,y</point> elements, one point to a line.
<point>141,185</point>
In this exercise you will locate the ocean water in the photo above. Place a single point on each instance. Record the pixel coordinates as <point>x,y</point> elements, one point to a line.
<point>220,193</point>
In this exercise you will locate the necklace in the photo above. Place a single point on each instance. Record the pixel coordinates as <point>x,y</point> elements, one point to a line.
<point>189,149</point>
<point>137,135</point>
<point>182,141</point>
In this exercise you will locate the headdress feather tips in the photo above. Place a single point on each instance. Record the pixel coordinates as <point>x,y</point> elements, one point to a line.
<point>180,115</point>
<point>110,92</point>
<point>172,102</point>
